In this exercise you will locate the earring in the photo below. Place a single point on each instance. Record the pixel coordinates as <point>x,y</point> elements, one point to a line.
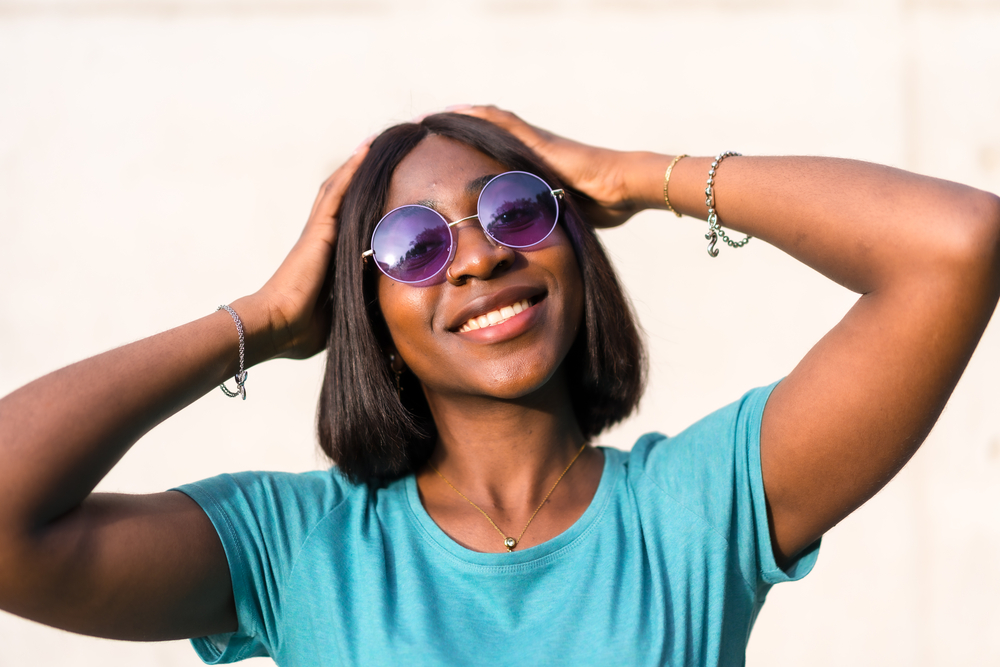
<point>399,374</point>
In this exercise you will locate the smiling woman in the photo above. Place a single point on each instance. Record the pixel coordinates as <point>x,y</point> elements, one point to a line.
<point>442,162</point>
<point>478,340</point>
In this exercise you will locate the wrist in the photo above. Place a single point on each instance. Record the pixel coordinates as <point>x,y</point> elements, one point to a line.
<point>645,180</point>
<point>687,186</point>
<point>260,341</point>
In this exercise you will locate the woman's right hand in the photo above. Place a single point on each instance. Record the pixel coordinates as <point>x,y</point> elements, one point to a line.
<point>297,322</point>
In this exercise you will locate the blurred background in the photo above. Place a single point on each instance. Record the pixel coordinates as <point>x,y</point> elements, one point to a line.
<point>158,158</point>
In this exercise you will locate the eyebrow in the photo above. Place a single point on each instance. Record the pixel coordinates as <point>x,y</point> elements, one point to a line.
<point>473,187</point>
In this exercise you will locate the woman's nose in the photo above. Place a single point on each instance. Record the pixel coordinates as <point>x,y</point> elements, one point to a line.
<point>476,254</point>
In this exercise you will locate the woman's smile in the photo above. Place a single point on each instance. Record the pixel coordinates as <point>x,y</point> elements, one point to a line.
<point>494,317</point>
<point>497,307</point>
<point>504,323</point>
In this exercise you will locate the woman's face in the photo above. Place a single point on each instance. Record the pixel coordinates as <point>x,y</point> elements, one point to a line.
<point>427,322</point>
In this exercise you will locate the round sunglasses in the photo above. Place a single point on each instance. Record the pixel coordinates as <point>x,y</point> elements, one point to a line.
<point>414,243</point>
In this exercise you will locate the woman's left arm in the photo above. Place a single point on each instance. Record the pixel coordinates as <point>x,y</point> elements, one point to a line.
<point>924,254</point>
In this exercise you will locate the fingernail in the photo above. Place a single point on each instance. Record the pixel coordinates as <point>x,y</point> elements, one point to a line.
<point>364,144</point>
<point>457,107</point>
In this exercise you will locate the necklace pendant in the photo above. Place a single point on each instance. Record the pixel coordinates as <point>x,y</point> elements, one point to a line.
<point>510,543</point>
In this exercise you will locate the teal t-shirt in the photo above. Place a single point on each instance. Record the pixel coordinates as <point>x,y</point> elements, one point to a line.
<point>668,566</point>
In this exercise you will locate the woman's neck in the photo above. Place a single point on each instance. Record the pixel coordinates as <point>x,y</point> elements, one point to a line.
<point>506,451</point>
<point>505,456</point>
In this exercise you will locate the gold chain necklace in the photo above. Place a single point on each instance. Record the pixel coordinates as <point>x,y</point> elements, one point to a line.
<point>508,541</point>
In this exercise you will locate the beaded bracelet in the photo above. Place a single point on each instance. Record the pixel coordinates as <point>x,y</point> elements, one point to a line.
<point>714,228</point>
<point>241,376</point>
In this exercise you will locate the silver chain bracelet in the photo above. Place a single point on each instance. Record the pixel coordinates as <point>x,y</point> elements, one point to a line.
<point>715,231</point>
<point>241,376</point>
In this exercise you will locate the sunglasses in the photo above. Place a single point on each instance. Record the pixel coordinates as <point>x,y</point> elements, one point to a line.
<point>414,243</point>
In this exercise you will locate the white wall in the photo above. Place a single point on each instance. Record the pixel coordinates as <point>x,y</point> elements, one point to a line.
<point>157,158</point>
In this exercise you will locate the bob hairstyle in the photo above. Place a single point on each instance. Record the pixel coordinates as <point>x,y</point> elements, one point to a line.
<point>375,433</point>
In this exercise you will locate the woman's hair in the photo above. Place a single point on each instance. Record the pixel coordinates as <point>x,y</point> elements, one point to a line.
<point>375,433</point>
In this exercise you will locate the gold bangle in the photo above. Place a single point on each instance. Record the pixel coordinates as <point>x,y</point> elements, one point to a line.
<point>666,183</point>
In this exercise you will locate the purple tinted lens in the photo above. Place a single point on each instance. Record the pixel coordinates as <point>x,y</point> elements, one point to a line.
<point>411,243</point>
<point>518,209</point>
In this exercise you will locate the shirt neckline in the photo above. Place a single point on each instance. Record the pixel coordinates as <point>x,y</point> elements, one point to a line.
<point>440,539</point>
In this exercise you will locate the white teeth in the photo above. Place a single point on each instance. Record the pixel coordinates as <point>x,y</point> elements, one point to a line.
<point>496,316</point>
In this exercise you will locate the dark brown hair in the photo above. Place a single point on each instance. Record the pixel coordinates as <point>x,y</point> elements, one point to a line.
<point>375,435</point>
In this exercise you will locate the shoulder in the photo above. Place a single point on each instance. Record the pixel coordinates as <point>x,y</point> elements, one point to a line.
<point>710,438</point>
<point>322,488</point>
<point>709,478</point>
<point>706,466</point>
<point>274,503</point>
<point>263,519</point>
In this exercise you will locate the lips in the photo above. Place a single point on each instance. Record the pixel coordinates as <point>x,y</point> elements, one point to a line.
<point>498,316</point>
<point>492,309</point>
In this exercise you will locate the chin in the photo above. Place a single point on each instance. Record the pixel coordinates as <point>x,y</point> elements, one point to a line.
<point>513,381</point>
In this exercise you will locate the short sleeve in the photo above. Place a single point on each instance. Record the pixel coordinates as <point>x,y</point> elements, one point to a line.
<point>712,469</point>
<point>768,569</point>
<point>262,520</point>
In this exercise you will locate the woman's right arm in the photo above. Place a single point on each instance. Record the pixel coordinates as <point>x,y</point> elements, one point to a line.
<point>143,567</point>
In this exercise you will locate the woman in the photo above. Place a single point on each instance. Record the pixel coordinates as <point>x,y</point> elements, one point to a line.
<point>477,523</point>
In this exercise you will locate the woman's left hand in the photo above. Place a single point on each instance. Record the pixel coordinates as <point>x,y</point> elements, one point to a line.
<point>601,174</point>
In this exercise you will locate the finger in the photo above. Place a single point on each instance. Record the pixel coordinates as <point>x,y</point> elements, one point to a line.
<point>506,119</point>
<point>529,135</point>
<point>334,186</point>
<point>490,112</point>
<point>331,192</point>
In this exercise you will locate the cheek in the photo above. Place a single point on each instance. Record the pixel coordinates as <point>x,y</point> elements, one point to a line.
<point>569,278</point>
<point>407,311</point>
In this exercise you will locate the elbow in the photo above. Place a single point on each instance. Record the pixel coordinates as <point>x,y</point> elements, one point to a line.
<point>982,262</point>
<point>985,229</point>
<point>972,248</point>
<point>991,224</point>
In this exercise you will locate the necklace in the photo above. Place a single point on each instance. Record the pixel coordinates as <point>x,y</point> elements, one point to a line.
<point>509,541</point>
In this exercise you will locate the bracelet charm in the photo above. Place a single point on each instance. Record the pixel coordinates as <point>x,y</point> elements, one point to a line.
<point>715,231</point>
